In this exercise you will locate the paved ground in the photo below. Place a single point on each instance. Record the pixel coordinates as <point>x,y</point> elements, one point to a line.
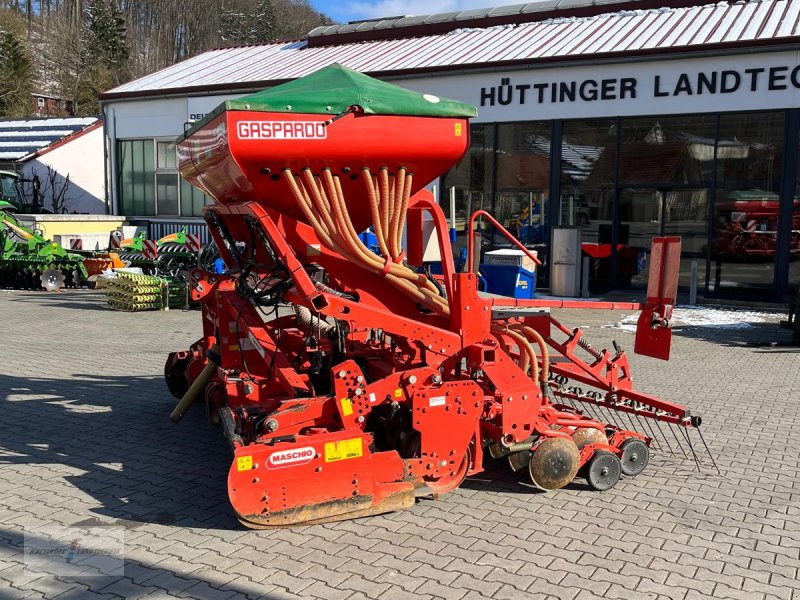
<point>84,437</point>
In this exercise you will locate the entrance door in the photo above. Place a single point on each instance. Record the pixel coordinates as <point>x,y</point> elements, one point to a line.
<point>647,212</point>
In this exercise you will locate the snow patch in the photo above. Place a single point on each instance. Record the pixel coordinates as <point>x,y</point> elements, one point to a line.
<point>706,316</point>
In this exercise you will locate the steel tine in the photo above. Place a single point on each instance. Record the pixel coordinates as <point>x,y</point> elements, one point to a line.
<point>630,418</point>
<point>691,447</point>
<point>605,411</point>
<point>677,440</point>
<point>664,437</point>
<point>589,408</point>
<point>654,437</point>
<point>708,450</point>
<point>642,429</point>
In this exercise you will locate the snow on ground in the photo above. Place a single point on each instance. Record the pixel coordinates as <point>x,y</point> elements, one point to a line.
<point>704,316</point>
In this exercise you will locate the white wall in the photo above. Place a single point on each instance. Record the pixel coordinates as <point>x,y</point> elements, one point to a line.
<point>161,117</point>
<point>80,159</point>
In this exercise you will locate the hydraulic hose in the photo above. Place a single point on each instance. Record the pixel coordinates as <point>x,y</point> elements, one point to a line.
<point>322,203</point>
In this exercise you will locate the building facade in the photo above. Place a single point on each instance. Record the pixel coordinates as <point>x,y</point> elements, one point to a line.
<point>626,124</point>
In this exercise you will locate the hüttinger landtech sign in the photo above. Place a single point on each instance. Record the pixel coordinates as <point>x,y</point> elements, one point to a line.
<point>759,81</point>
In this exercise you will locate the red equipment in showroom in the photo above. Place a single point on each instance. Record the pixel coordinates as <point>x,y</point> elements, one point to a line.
<point>350,383</point>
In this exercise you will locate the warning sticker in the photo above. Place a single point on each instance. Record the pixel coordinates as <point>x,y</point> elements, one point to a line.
<point>347,407</point>
<point>398,393</point>
<point>244,463</point>
<point>458,130</point>
<point>343,450</point>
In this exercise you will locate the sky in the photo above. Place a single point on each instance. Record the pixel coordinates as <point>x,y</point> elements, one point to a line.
<point>352,10</point>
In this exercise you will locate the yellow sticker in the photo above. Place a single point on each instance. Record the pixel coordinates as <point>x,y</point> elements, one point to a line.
<point>234,347</point>
<point>244,463</point>
<point>347,407</point>
<point>398,393</point>
<point>458,129</point>
<point>343,450</point>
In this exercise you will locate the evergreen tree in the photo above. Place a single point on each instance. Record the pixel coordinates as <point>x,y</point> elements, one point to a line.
<point>103,54</point>
<point>15,76</point>
<point>244,22</point>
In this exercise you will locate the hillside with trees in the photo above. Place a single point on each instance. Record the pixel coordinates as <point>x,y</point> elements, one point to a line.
<point>76,49</point>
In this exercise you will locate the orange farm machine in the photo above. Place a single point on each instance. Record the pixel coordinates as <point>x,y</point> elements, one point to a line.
<point>349,382</point>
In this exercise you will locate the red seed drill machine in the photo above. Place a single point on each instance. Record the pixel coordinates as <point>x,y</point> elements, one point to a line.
<point>349,383</point>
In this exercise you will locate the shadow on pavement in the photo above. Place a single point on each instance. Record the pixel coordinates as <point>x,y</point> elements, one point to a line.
<point>755,335</point>
<point>115,433</point>
<point>139,580</point>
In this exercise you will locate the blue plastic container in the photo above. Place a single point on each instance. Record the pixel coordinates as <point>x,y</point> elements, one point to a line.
<point>509,280</point>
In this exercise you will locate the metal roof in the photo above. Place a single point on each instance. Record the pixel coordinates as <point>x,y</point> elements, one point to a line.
<point>21,138</point>
<point>530,8</point>
<point>699,27</point>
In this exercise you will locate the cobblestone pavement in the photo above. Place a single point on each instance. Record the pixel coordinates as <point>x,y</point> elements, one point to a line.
<point>85,438</point>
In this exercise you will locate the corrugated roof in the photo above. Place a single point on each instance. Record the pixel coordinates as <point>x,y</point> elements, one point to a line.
<point>698,27</point>
<point>21,138</point>
<point>530,8</point>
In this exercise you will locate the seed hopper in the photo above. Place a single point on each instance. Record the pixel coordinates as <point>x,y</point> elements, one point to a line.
<point>350,382</point>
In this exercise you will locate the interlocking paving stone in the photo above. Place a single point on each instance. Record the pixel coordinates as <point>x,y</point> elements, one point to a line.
<point>85,436</point>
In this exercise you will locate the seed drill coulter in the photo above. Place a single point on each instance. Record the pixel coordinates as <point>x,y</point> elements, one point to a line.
<point>349,382</point>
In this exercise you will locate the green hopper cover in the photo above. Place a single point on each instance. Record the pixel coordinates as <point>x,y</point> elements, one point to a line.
<point>334,89</point>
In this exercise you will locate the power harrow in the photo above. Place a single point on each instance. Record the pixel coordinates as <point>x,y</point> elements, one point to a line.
<point>168,256</point>
<point>29,261</point>
<point>350,383</point>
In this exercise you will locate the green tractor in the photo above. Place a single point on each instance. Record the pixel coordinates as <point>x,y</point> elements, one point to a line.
<point>29,261</point>
<point>12,198</point>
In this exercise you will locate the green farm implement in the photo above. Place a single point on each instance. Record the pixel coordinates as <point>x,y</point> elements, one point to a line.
<point>167,256</point>
<point>29,261</point>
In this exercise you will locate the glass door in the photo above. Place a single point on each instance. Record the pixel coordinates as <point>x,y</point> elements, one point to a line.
<point>649,212</point>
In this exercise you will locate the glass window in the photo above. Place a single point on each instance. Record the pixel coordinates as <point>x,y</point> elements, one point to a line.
<point>167,155</point>
<point>523,180</point>
<point>745,214</point>
<point>588,161</point>
<point>794,244</point>
<point>167,193</point>
<point>667,150</point>
<point>135,177</point>
<point>148,181</point>
<point>192,200</point>
<point>472,180</point>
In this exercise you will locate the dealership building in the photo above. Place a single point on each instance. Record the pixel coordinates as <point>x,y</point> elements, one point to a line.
<point>625,120</point>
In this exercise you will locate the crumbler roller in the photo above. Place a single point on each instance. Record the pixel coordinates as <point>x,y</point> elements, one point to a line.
<point>350,383</point>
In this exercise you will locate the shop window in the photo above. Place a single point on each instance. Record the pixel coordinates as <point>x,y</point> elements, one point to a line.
<point>794,243</point>
<point>656,151</point>
<point>666,169</point>
<point>745,215</point>
<point>472,180</point>
<point>523,180</point>
<point>588,161</point>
